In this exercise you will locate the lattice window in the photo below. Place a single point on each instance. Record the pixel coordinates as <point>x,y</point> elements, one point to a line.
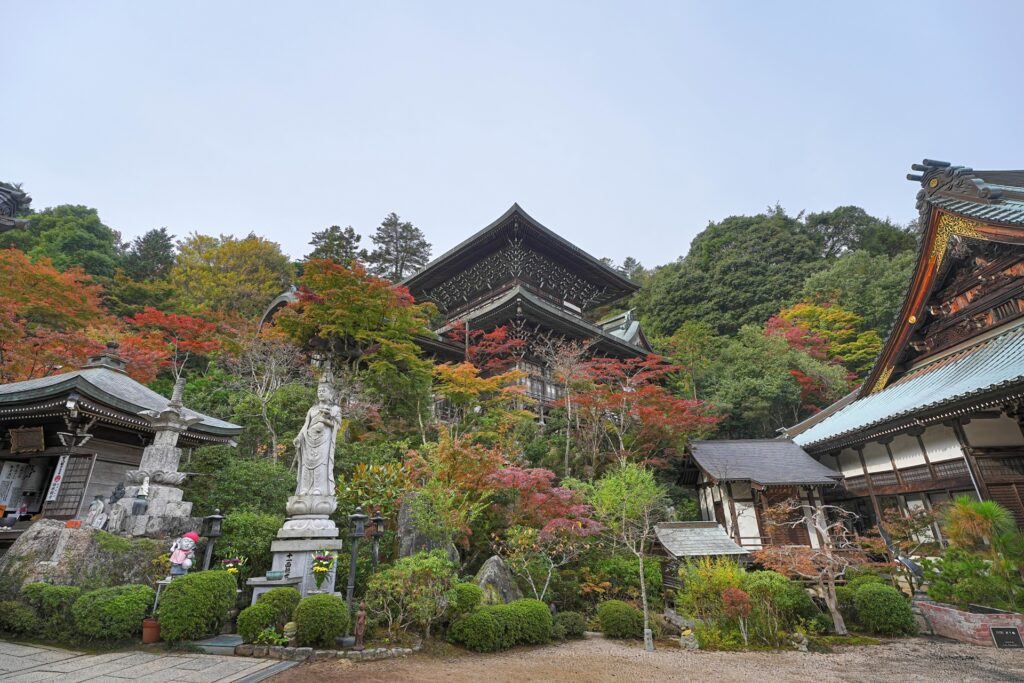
<point>74,481</point>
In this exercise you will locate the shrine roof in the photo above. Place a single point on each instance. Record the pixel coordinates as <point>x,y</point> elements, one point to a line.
<point>517,223</point>
<point>764,462</point>
<point>970,372</point>
<point>696,539</point>
<point>108,386</point>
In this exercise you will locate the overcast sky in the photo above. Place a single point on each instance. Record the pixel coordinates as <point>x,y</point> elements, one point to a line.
<point>625,127</point>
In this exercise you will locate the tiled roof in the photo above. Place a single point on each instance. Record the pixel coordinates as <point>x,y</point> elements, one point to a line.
<point>1006,211</point>
<point>768,462</point>
<point>110,387</point>
<point>992,362</point>
<point>696,539</point>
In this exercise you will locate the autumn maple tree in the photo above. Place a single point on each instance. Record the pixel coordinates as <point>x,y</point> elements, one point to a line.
<point>168,340</point>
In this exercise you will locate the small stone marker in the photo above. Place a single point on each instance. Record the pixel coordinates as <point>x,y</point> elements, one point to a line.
<point>1007,637</point>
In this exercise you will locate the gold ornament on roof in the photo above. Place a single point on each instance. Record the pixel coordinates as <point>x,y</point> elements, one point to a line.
<point>948,226</point>
<point>882,380</point>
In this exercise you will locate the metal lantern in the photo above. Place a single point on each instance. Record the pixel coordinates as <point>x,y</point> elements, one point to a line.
<point>212,528</point>
<point>378,531</point>
<point>358,522</point>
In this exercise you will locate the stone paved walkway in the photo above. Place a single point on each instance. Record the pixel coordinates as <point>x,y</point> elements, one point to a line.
<point>29,663</point>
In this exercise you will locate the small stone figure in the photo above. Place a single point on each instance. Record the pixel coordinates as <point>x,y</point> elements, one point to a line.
<point>96,507</point>
<point>360,625</point>
<point>181,553</point>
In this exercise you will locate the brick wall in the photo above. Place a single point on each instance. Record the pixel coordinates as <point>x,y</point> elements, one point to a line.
<point>957,624</point>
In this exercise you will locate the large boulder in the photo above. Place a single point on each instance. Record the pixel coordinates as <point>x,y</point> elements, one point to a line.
<point>49,551</point>
<point>411,540</point>
<point>497,582</point>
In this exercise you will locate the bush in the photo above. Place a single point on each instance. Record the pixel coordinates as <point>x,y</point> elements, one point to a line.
<point>623,573</point>
<point>283,601</point>
<point>416,590</point>
<point>716,636</point>
<point>779,606</point>
<point>195,605</point>
<point>620,620</point>
<point>320,619</point>
<point>112,613</point>
<point>18,619</point>
<point>479,631</point>
<point>468,597</point>
<point>883,610</point>
<point>703,582</point>
<point>255,618</point>
<point>533,620</point>
<point>249,534</point>
<point>571,624</point>
<point>52,604</point>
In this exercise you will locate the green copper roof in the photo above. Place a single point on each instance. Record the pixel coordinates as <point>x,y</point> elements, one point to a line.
<point>992,363</point>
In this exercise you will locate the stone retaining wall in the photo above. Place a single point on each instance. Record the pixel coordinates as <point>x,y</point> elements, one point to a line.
<point>967,627</point>
<point>301,654</point>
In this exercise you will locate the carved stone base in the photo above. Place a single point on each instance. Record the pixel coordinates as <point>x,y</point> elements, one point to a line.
<point>294,558</point>
<point>309,505</point>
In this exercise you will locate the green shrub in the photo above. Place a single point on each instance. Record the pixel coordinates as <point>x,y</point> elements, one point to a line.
<point>320,619</point>
<point>52,604</point>
<point>717,636</point>
<point>533,619</point>
<point>883,610</point>
<point>468,597</point>
<point>195,605</point>
<point>703,582</point>
<point>249,534</point>
<point>283,600</point>
<point>255,618</point>
<point>112,613</point>
<point>479,631</point>
<point>620,620</point>
<point>416,590</point>
<point>779,606</point>
<point>571,624</point>
<point>623,573</point>
<point>18,619</point>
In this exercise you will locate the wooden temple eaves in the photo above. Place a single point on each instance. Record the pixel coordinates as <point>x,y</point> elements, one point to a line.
<point>967,276</point>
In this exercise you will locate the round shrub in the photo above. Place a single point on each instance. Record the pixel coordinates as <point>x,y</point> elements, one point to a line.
<point>533,620</point>
<point>882,609</point>
<point>479,631</point>
<point>18,619</point>
<point>52,604</point>
<point>112,613</point>
<point>571,624</point>
<point>195,605</point>
<point>468,597</point>
<point>320,619</point>
<point>283,600</point>
<point>253,619</point>
<point>620,619</point>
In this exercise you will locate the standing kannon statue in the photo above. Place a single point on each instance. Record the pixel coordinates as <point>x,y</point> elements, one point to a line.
<point>314,498</point>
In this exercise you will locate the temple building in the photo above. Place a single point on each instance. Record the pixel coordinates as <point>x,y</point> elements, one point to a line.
<point>65,439</point>
<point>517,273</point>
<point>940,413</point>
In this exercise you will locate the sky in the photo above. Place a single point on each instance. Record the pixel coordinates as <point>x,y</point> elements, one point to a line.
<point>626,127</point>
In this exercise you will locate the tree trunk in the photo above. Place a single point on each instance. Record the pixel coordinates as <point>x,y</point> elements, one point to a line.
<point>568,430</point>
<point>643,600</point>
<point>833,608</point>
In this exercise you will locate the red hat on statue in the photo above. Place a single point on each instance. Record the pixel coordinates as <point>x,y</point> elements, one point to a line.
<point>193,535</point>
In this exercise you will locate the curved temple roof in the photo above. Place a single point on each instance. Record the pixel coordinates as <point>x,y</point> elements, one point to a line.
<point>763,462</point>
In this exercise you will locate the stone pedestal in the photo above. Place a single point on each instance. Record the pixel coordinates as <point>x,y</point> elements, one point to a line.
<point>294,557</point>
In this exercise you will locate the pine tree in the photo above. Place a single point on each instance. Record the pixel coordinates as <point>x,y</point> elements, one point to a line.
<point>150,257</point>
<point>400,249</point>
<point>340,245</point>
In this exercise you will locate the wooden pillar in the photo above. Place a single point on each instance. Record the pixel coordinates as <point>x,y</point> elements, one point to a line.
<point>732,514</point>
<point>892,460</point>
<point>972,464</point>
<point>816,509</point>
<point>924,452</point>
<point>871,486</point>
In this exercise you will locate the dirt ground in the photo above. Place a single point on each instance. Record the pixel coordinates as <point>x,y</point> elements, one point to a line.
<point>596,660</point>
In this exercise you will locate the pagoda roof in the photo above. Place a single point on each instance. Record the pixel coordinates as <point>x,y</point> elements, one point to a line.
<point>516,223</point>
<point>518,300</point>
<point>110,393</point>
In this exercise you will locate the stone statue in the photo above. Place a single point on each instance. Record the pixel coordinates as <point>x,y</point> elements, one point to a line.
<point>96,508</point>
<point>360,625</point>
<point>314,498</point>
<point>182,551</point>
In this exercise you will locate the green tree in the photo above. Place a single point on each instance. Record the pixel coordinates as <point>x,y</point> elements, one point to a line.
<point>739,271</point>
<point>69,236</point>
<point>229,276</point>
<point>335,243</point>
<point>400,249</point>
<point>150,256</point>
<point>842,331</point>
<point>629,501</point>
<point>849,228</point>
<point>870,286</point>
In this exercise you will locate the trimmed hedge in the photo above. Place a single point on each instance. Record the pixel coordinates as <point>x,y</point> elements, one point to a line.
<point>195,605</point>
<point>533,619</point>
<point>479,631</point>
<point>620,619</point>
<point>253,619</point>
<point>17,619</point>
<point>112,613</point>
<point>883,610</point>
<point>468,597</point>
<point>52,605</point>
<point>320,619</point>
<point>570,624</point>
<point>283,600</point>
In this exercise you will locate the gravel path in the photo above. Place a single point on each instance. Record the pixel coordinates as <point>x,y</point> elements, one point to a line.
<point>596,660</point>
